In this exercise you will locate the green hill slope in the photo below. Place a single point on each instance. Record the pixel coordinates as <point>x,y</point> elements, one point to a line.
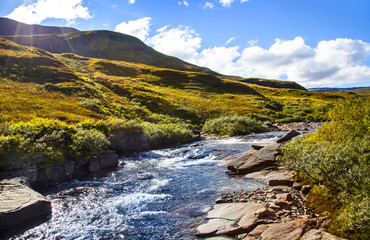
<point>9,27</point>
<point>93,88</point>
<point>107,45</point>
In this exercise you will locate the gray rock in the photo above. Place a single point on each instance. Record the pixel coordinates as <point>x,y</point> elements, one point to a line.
<point>56,174</point>
<point>262,159</point>
<point>230,219</point>
<point>292,230</point>
<point>108,160</point>
<point>315,234</point>
<point>20,206</point>
<point>69,168</point>
<point>291,134</point>
<point>94,164</point>
<point>276,178</point>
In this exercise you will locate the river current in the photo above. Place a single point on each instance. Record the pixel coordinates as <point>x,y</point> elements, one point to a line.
<point>160,194</point>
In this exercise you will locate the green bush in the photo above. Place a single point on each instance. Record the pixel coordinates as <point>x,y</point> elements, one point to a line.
<point>162,135</point>
<point>337,156</point>
<point>87,143</point>
<point>233,125</point>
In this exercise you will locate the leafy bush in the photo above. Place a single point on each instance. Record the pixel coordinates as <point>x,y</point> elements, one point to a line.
<point>234,125</point>
<point>161,135</point>
<point>87,143</point>
<point>337,156</point>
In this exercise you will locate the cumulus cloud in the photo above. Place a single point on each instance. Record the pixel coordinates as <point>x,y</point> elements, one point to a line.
<point>226,3</point>
<point>185,3</point>
<point>139,28</point>
<point>181,42</point>
<point>330,63</point>
<point>42,9</point>
<point>208,5</point>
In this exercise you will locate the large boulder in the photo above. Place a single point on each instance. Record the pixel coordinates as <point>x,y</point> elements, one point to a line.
<point>230,219</point>
<point>262,159</point>
<point>20,206</point>
<point>108,160</point>
<point>287,137</point>
<point>315,234</point>
<point>292,230</point>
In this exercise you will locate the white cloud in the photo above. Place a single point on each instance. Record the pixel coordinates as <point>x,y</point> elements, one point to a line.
<point>226,3</point>
<point>181,42</point>
<point>131,1</point>
<point>138,28</point>
<point>208,5</point>
<point>330,63</point>
<point>230,40</point>
<point>184,2</point>
<point>220,58</point>
<point>42,9</point>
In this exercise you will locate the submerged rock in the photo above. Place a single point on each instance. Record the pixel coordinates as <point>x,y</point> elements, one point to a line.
<point>20,206</point>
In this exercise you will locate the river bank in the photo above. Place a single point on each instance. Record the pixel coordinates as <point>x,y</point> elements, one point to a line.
<point>196,156</point>
<point>277,211</point>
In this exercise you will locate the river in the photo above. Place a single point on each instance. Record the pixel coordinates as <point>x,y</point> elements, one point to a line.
<point>160,194</point>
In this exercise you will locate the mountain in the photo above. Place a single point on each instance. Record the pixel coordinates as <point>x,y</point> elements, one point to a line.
<point>273,83</point>
<point>95,44</point>
<point>73,88</point>
<point>328,89</point>
<point>9,27</point>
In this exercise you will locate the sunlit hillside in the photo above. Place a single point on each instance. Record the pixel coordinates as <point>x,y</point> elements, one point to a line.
<point>70,87</point>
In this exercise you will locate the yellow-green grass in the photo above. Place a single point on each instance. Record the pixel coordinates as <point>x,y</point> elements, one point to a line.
<point>99,88</point>
<point>24,101</point>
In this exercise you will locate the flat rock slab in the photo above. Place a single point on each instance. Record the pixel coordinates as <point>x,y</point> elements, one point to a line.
<point>20,205</point>
<point>230,219</point>
<point>276,178</point>
<point>292,230</point>
<point>262,159</point>
<point>315,234</point>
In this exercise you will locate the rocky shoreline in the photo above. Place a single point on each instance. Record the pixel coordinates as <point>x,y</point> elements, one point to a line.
<point>258,163</point>
<point>277,211</point>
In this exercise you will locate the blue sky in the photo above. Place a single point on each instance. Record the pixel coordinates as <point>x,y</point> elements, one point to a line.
<point>312,42</point>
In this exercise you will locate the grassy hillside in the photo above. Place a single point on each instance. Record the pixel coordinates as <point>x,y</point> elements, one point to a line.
<point>107,45</point>
<point>9,27</point>
<point>273,83</point>
<point>94,88</point>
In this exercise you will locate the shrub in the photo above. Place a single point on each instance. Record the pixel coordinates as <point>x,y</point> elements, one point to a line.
<point>233,125</point>
<point>162,135</point>
<point>337,156</point>
<point>87,143</point>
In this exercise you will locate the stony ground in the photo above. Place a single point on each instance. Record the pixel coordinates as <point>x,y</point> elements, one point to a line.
<point>277,211</point>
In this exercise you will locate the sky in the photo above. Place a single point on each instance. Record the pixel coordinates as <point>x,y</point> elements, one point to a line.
<point>317,43</point>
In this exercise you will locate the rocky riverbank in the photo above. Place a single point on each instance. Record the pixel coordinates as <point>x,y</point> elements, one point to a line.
<point>20,206</point>
<point>277,211</point>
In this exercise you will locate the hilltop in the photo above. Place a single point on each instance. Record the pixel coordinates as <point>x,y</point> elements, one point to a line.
<point>9,27</point>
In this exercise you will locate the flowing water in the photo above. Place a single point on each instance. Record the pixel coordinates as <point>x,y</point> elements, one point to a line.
<point>159,194</point>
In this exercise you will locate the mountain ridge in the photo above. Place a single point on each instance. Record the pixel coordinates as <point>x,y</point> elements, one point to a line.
<point>10,27</point>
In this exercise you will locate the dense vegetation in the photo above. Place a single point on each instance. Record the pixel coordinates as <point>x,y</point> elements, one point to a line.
<point>50,142</point>
<point>336,160</point>
<point>234,125</point>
